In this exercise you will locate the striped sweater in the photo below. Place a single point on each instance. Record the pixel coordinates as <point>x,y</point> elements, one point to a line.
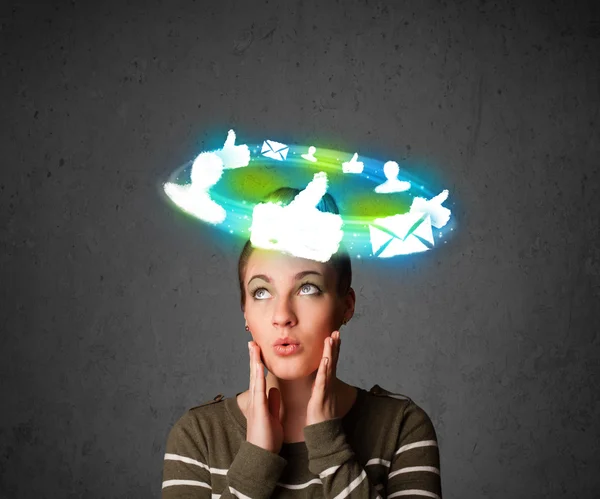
<point>384,447</point>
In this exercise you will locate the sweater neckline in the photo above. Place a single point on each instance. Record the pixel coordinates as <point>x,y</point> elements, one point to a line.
<point>293,448</point>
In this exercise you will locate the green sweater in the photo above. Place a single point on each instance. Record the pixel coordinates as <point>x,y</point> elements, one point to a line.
<point>385,446</point>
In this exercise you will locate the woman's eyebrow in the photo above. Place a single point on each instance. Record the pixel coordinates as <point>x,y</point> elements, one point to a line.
<point>259,276</point>
<point>299,275</point>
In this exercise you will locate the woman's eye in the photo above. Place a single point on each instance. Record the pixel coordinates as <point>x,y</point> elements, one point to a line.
<point>257,293</point>
<point>309,286</point>
<point>305,289</point>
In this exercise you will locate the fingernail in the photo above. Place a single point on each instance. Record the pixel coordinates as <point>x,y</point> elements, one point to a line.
<point>330,341</point>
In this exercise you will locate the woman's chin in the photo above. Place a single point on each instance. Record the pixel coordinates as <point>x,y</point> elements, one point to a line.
<point>289,371</point>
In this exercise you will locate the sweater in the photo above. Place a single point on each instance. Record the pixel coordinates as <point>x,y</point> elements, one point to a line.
<point>384,447</point>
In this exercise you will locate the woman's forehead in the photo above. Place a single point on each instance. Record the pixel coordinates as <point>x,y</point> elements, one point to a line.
<point>280,266</point>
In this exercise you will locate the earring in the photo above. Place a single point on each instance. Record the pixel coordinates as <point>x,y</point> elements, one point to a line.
<point>247,328</point>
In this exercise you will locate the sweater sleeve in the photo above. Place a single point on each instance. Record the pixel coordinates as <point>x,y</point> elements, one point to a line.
<point>414,469</point>
<point>415,466</point>
<point>187,474</point>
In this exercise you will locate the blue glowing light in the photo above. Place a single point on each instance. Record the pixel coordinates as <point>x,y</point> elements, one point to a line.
<point>381,216</point>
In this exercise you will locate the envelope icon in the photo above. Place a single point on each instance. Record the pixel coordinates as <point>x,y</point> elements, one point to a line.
<point>401,234</point>
<point>274,150</point>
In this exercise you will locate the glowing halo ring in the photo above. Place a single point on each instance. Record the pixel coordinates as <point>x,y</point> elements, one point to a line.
<point>239,189</point>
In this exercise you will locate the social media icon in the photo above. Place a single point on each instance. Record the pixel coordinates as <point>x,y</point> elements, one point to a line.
<point>194,198</point>
<point>310,155</point>
<point>299,229</point>
<point>392,184</point>
<point>353,166</point>
<point>233,156</point>
<point>275,150</point>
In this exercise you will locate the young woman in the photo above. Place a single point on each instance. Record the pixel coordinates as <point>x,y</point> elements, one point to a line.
<point>300,431</point>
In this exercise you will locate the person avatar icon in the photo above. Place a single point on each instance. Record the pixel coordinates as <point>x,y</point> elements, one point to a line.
<point>392,184</point>
<point>310,156</point>
<point>353,166</point>
<point>194,198</point>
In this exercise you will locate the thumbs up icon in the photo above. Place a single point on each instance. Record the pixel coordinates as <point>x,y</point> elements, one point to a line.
<point>353,166</point>
<point>433,207</point>
<point>233,156</point>
<point>299,228</point>
<point>195,198</point>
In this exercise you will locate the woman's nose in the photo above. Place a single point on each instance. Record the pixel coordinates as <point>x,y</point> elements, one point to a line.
<point>283,315</point>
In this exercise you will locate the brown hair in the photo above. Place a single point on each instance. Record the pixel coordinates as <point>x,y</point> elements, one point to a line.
<point>340,260</point>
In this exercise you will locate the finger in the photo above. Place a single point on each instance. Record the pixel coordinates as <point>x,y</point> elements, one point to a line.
<point>310,196</point>
<point>230,141</point>
<point>250,359</point>
<point>326,361</point>
<point>251,366</point>
<point>259,378</point>
<point>335,353</point>
<point>322,378</point>
<point>331,344</point>
<point>331,356</point>
<point>440,198</point>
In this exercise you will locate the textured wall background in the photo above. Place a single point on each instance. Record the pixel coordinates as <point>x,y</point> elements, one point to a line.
<point>118,313</point>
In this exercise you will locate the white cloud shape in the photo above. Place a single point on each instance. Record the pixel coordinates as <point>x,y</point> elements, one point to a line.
<point>433,207</point>
<point>299,228</point>
<point>194,198</point>
<point>233,156</point>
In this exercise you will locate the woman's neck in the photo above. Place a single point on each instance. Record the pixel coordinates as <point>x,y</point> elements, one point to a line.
<point>295,395</point>
<point>293,419</point>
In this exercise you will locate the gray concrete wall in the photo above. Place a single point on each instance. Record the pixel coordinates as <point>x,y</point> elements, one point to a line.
<point>118,313</point>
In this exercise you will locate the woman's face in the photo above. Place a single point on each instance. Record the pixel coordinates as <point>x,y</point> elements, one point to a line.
<point>295,297</point>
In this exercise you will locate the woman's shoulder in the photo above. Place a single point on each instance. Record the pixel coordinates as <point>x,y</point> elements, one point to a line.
<point>218,398</point>
<point>382,398</point>
<point>204,434</point>
<point>397,403</point>
<point>411,416</point>
<point>202,413</point>
<point>382,392</point>
<point>199,420</point>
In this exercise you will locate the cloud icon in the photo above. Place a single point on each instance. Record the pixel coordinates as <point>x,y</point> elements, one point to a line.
<point>299,228</point>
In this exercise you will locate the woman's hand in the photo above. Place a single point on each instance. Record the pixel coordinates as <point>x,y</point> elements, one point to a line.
<point>322,404</point>
<point>264,425</point>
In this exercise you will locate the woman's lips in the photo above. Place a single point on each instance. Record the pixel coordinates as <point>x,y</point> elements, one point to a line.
<point>283,350</point>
